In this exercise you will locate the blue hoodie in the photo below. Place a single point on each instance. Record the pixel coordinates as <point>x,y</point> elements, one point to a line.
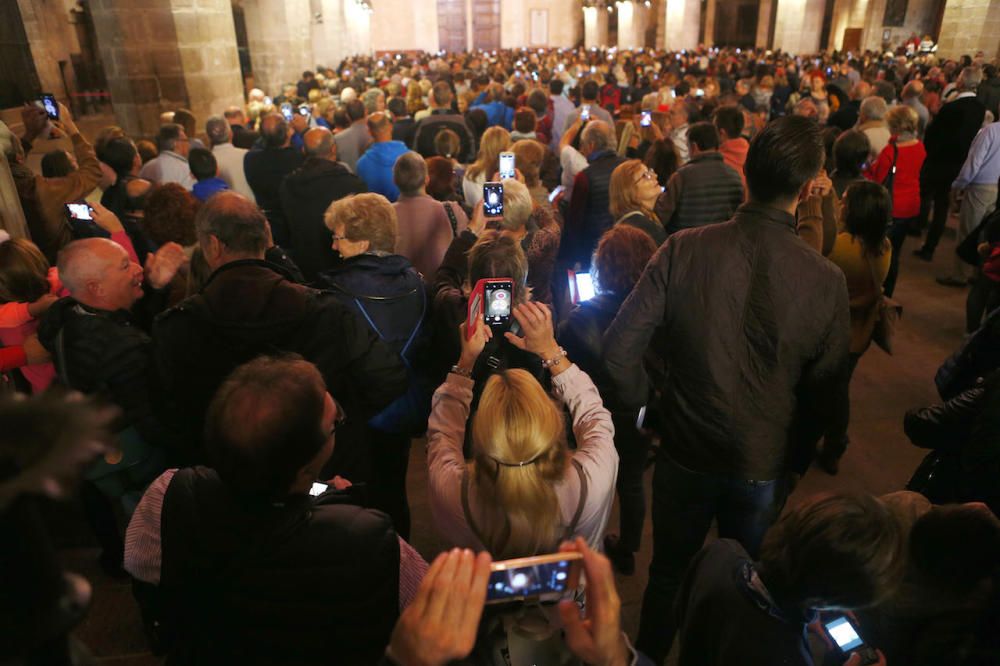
<point>375,167</point>
<point>497,113</point>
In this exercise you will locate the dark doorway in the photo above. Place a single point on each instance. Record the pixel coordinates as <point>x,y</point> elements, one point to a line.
<point>18,78</point>
<point>486,24</point>
<point>242,43</point>
<point>736,23</point>
<point>451,24</point>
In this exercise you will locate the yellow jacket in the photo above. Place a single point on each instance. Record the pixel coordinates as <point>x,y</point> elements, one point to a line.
<point>865,276</point>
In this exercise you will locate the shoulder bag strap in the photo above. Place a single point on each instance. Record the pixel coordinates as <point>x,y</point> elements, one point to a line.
<point>61,360</point>
<point>451,218</point>
<point>571,529</point>
<point>471,522</point>
<point>890,178</point>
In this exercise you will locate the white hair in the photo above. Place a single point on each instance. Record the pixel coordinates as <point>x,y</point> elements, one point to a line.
<point>348,94</point>
<point>517,204</point>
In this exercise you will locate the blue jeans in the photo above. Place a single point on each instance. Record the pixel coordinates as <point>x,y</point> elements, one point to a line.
<point>684,504</point>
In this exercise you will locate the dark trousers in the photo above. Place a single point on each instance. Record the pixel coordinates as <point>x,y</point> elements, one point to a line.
<point>103,519</point>
<point>684,504</point>
<point>984,298</point>
<point>836,440</point>
<point>938,193</point>
<point>390,458</point>
<point>896,234</point>
<point>633,449</point>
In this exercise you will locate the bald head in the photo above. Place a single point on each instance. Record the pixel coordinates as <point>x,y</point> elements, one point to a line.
<point>861,90</point>
<point>274,128</point>
<point>99,273</point>
<point>234,115</point>
<point>319,143</point>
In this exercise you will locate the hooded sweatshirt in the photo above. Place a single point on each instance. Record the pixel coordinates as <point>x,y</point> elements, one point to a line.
<point>734,153</point>
<point>375,167</point>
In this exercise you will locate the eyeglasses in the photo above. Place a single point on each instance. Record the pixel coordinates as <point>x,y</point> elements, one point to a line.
<point>336,238</point>
<point>339,419</point>
<point>648,174</point>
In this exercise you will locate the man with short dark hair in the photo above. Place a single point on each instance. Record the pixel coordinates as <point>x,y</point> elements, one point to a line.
<point>244,561</point>
<point>589,92</point>
<point>249,307</point>
<point>561,109</point>
<point>375,166</point>
<point>170,165</point>
<point>706,190</point>
<point>442,117</point>
<point>757,327</point>
<point>404,127</point>
<point>589,215</point>
<point>306,83</point>
<point>729,121</point>
<point>306,193</point>
<point>353,141</point>
<point>265,168</point>
<point>229,157</point>
<point>242,137</point>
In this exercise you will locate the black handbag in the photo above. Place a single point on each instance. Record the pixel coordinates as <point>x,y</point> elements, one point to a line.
<point>938,478</point>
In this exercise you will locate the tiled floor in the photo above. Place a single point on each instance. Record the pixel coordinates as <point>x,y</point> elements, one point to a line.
<point>880,459</point>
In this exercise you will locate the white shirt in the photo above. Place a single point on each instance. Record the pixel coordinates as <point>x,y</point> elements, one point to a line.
<point>572,162</point>
<point>472,188</point>
<point>168,167</point>
<point>680,138</point>
<point>230,160</point>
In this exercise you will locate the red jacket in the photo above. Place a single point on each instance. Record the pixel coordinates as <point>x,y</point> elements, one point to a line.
<point>906,184</point>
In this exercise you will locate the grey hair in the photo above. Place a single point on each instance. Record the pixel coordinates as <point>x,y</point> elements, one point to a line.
<point>517,205</point>
<point>77,263</point>
<point>971,77</point>
<point>409,173</point>
<point>598,135</point>
<point>874,108</point>
<point>217,129</point>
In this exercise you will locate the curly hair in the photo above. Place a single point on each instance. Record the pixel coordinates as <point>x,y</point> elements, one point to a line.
<point>170,211</point>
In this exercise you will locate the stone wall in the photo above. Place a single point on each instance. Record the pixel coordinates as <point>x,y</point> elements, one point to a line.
<point>279,35</point>
<point>682,24</point>
<point>52,39</point>
<point>798,25</point>
<point>410,24</point>
<point>969,26</point>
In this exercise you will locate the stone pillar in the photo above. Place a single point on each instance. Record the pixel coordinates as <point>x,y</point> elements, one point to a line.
<point>682,22</point>
<point>595,27</point>
<point>969,26</point>
<point>764,24</point>
<point>52,40</point>
<point>709,23</point>
<point>798,25</point>
<point>280,41</point>
<point>11,215</point>
<point>626,25</point>
<point>167,54</point>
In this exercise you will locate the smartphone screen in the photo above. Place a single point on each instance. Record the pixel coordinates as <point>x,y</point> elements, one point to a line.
<point>585,112</point>
<point>50,105</point>
<point>286,111</point>
<point>506,165</point>
<point>533,577</point>
<point>584,286</point>
<point>844,634</point>
<point>498,296</point>
<point>647,119</point>
<point>304,110</point>
<point>318,489</point>
<point>80,211</point>
<point>493,199</point>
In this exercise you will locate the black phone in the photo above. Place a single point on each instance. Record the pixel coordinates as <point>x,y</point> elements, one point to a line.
<point>498,296</point>
<point>80,218</point>
<point>542,577</point>
<point>846,637</point>
<point>493,199</point>
<point>80,211</point>
<point>48,102</point>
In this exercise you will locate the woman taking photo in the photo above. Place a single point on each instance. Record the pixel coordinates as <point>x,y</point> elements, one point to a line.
<point>495,141</point>
<point>524,491</point>
<point>864,254</point>
<point>898,169</point>
<point>621,256</point>
<point>634,191</point>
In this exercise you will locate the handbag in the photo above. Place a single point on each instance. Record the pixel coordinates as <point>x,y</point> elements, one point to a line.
<point>887,316</point>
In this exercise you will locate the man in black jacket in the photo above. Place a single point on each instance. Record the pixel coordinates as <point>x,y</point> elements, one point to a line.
<point>265,168</point>
<point>248,307</point>
<point>404,127</point>
<point>947,140</point>
<point>242,137</point>
<point>756,332</point>
<point>589,214</point>
<point>442,117</point>
<point>247,565</point>
<point>306,193</point>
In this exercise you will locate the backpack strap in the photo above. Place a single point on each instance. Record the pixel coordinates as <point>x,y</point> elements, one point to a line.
<point>571,528</point>
<point>413,333</point>
<point>61,359</point>
<point>451,218</point>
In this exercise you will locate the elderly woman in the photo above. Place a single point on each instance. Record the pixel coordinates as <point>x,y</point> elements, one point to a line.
<point>383,289</point>
<point>524,491</point>
<point>634,191</point>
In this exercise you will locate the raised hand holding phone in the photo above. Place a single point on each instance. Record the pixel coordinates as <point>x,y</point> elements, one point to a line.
<point>474,343</point>
<point>539,335</point>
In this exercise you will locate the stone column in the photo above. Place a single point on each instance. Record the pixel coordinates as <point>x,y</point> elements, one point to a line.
<point>595,27</point>
<point>626,25</point>
<point>280,41</point>
<point>709,23</point>
<point>11,215</point>
<point>167,54</point>
<point>682,22</point>
<point>969,26</point>
<point>764,24</point>
<point>798,25</point>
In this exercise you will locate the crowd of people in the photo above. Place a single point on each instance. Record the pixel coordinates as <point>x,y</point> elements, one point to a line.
<point>277,300</point>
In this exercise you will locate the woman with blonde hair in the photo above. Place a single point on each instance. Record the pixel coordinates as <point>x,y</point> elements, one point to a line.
<point>634,190</point>
<point>524,490</point>
<point>495,141</point>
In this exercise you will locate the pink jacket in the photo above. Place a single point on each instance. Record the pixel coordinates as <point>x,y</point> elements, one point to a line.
<point>595,452</point>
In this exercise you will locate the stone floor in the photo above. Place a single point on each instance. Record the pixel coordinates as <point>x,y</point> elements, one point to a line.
<point>880,459</point>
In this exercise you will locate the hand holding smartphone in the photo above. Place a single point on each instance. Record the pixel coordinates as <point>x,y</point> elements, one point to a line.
<point>506,165</point>
<point>493,199</point>
<point>847,640</point>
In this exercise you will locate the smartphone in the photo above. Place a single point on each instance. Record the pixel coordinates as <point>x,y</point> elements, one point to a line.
<point>506,165</point>
<point>318,488</point>
<point>493,199</point>
<point>48,102</point>
<point>845,636</point>
<point>80,211</point>
<point>286,111</point>
<point>700,92</point>
<point>498,297</point>
<point>268,101</point>
<point>475,310</point>
<point>555,193</point>
<point>543,577</point>
<point>647,119</point>
<point>304,110</point>
<point>585,112</point>
<point>581,286</point>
